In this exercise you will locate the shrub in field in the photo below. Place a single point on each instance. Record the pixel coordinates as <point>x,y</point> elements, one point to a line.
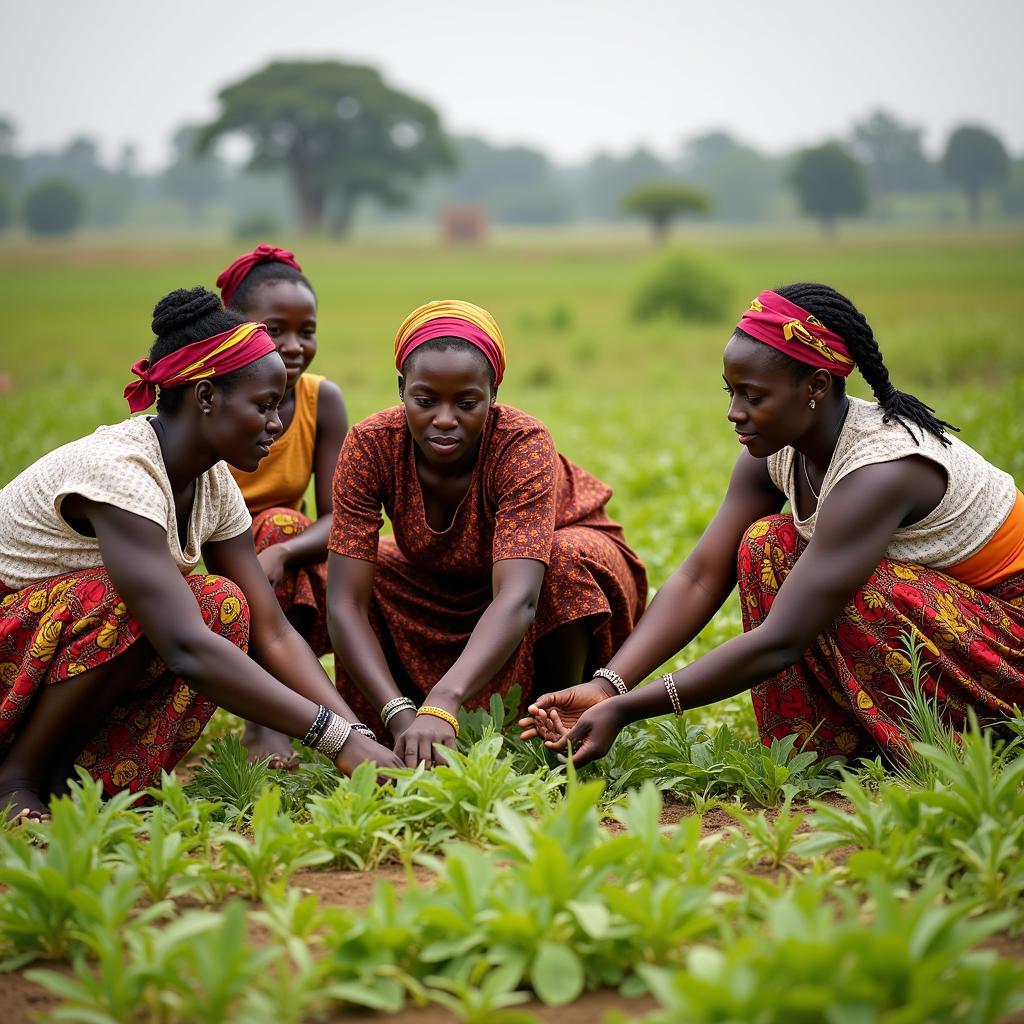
<point>52,207</point>
<point>683,287</point>
<point>810,962</point>
<point>275,849</point>
<point>228,776</point>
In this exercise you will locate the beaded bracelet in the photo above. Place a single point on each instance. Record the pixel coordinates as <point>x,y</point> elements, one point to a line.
<point>334,736</point>
<point>316,730</point>
<point>427,709</point>
<point>394,707</point>
<point>365,730</point>
<point>673,693</point>
<point>614,678</point>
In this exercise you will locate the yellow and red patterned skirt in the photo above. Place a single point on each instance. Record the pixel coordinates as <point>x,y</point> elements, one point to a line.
<point>58,628</point>
<point>847,693</point>
<point>302,592</point>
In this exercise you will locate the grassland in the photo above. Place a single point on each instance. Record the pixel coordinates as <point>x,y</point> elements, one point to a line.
<point>641,406</point>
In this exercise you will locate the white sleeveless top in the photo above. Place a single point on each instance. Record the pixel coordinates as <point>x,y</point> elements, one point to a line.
<point>120,465</point>
<point>978,500</point>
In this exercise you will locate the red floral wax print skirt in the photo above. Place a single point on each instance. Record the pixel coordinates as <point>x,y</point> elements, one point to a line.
<point>302,592</point>
<point>844,695</point>
<point>58,628</point>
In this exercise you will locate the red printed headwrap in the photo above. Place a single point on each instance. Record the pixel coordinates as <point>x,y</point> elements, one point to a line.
<point>211,357</point>
<point>791,329</point>
<point>231,278</point>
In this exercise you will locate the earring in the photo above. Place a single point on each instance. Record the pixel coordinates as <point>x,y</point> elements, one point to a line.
<point>206,411</point>
<point>810,405</point>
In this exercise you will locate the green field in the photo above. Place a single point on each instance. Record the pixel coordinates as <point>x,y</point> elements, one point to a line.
<point>498,875</point>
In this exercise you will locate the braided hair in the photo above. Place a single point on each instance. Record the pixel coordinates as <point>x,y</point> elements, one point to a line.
<point>842,316</point>
<point>262,273</point>
<point>180,318</point>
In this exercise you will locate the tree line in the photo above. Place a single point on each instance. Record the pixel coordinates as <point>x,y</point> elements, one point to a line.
<point>330,142</point>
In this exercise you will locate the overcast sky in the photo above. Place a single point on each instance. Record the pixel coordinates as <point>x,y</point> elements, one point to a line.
<point>570,76</point>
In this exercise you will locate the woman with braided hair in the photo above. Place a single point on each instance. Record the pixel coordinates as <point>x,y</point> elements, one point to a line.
<point>896,530</point>
<point>114,651</point>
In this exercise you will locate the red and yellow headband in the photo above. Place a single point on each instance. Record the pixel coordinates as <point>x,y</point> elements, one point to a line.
<point>211,357</point>
<point>791,329</point>
<point>452,318</point>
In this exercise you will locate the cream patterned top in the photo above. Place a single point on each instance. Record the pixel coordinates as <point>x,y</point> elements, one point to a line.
<point>979,497</point>
<point>120,465</point>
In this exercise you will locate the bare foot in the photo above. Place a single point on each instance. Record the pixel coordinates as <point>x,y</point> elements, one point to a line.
<point>19,803</point>
<point>262,742</point>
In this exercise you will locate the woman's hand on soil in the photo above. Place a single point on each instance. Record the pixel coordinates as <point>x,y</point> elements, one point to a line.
<point>554,714</point>
<point>593,734</point>
<point>417,744</point>
<point>359,748</point>
<point>274,561</point>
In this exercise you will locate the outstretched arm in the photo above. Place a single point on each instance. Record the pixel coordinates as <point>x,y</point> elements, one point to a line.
<point>310,546</point>
<point>135,554</point>
<point>516,584</point>
<point>853,530</point>
<point>682,607</point>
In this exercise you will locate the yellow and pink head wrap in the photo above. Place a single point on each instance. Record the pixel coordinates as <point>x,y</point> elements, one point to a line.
<point>208,358</point>
<point>452,318</point>
<point>800,335</point>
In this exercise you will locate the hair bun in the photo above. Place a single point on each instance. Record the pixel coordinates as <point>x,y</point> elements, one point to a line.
<point>182,307</point>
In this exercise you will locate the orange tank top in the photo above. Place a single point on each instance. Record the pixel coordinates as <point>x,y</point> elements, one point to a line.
<point>1000,558</point>
<point>283,476</point>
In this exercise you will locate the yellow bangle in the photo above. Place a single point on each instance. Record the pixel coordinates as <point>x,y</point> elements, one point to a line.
<point>427,709</point>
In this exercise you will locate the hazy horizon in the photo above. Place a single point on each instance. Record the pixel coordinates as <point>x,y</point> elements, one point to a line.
<point>570,79</point>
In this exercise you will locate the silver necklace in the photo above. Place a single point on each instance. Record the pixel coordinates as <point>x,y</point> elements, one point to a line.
<point>807,477</point>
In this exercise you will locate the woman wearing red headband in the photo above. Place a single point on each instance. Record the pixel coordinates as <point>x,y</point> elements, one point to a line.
<point>267,285</point>
<point>896,529</point>
<point>113,651</point>
<point>503,568</point>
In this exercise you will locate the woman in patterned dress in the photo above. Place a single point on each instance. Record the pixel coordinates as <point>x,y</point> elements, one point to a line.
<point>504,567</point>
<point>267,285</point>
<point>113,651</point>
<point>897,531</point>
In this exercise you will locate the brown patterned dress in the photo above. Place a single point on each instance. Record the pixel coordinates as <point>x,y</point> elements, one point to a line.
<point>430,588</point>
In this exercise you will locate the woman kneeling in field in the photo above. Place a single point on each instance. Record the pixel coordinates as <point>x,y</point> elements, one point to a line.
<point>504,567</point>
<point>897,530</point>
<point>267,285</point>
<point>112,652</point>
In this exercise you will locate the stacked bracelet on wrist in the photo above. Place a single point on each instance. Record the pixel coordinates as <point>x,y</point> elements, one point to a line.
<point>365,730</point>
<point>673,693</point>
<point>614,678</point>
<point>334,736</point>
<point>316,730</point>
<point>395,707</point>
<point>445,716</point>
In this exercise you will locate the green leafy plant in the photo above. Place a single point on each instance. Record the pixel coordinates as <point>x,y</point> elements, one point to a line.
<point>228,777</point>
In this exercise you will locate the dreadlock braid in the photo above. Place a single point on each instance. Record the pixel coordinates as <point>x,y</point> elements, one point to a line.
<point>842,316</point>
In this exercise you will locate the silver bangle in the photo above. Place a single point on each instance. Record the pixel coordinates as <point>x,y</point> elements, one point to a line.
<point>395,707</point>
<point>673,694</point>
<point>334,737</point>
<point>614,678</point>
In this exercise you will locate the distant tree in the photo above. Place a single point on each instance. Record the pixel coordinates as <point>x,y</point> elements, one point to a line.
<point>339,131</point>
<point>518,185</point>
<point>1013,191</point>
<point>606,179</point>
<point>52,207</point>
<point>975,159</point>
<point>740,182</point>
<point>194,180</point>
<point>829,184</point>
<point>6,209</point>
<point>892,155</point>
<point>8,157</point>
<point>662,202</point>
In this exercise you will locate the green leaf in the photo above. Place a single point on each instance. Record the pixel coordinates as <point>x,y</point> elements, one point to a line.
<point>556,974</point>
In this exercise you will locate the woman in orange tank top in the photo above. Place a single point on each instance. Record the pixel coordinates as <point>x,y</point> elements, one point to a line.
<point>268,285</point>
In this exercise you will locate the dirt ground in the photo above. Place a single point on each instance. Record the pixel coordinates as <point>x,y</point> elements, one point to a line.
<point>24,1001</point>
